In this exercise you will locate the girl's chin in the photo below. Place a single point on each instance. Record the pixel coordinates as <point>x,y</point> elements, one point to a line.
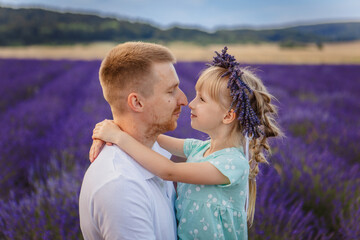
<point>193,125</point>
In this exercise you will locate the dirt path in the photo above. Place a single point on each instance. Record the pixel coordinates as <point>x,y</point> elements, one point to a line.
<point>250,53</point>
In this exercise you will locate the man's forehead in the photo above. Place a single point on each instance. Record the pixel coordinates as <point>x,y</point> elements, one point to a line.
<point>166,74</point>
<point>163,67</point>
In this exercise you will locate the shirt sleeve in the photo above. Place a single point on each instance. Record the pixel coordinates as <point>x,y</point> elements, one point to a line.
<point>122,211</point>
<point>235,168</point>
<point>190,144</point>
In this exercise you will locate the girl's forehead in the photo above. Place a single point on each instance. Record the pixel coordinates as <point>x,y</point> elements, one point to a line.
<point>203,84</point>
<point>203,89</point>
<point>211,87</point>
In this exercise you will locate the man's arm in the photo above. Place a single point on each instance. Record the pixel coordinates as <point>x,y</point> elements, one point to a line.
<point>122,210</point>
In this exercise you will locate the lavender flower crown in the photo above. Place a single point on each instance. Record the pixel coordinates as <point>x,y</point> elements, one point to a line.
<point>249,121</point>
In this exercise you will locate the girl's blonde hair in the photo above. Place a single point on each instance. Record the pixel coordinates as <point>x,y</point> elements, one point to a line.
<point>215,85</point>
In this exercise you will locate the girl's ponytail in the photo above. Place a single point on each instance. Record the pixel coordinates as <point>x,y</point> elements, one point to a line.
<point>266,112</point>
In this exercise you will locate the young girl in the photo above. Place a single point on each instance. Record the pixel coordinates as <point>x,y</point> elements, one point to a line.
<point>217,186</point>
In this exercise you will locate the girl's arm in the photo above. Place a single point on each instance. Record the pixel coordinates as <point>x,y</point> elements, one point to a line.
<point>174,145</point>
<point>194,173</point>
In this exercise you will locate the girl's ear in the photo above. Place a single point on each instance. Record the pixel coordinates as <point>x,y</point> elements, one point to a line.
<point>135,102</point>
<point>229,117</point>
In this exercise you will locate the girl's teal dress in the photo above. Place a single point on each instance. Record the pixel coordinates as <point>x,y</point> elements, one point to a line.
<point>214,211</point>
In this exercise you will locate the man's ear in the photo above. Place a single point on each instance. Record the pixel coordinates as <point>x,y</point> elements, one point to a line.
<point>135,102</point>
<point>229,117</point>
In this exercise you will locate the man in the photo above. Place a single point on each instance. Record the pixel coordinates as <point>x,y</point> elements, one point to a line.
<point>119,199</point>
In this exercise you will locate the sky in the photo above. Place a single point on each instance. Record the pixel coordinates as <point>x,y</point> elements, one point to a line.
<point>210,14</point>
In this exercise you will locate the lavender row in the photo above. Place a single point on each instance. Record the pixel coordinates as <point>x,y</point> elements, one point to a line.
<point>324,99</point>
<point>53,205</point>
<point>308,192</point>
<point>26,127</point>
<point>22,79</point>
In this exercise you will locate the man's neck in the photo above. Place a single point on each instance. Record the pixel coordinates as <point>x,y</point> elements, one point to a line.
<point>136,130</point>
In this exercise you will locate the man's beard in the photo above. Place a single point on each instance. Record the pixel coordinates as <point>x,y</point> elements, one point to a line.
<point>159,128</point>
<point>162,127</point>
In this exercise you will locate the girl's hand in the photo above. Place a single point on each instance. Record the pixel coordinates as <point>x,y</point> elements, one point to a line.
<point>106,131</point>
<point>95,148</point>
<point>102,133</point>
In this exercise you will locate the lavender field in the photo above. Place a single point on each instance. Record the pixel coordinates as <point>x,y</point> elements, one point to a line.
<point>310,190</point>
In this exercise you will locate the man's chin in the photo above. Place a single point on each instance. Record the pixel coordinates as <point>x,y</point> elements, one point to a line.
<point>173,126</point>
<point>165,127</point>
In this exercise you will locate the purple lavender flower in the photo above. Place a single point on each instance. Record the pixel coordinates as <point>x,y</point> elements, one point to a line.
<point>309,190</point>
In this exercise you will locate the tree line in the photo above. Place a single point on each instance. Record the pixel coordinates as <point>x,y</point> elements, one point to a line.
<point>27,26</point>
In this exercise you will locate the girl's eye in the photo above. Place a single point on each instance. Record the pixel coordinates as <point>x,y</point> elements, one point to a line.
<point>202,99</point>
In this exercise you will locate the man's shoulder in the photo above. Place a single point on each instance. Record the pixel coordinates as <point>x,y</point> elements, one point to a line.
<point>115,167</point>
<point>112,161</point>
<point>111,166</point>
<point>113,176</point>
<point>122,188</point>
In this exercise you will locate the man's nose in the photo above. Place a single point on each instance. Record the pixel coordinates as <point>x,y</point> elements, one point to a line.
<point>182,99</point>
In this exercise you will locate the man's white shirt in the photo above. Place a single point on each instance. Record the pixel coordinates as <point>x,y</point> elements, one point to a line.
<point>119,199</point>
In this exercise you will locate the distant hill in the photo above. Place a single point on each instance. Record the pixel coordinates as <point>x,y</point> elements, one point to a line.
<point>38,26</point>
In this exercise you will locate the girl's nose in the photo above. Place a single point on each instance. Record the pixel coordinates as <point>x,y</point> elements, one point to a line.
<point>191,104</point>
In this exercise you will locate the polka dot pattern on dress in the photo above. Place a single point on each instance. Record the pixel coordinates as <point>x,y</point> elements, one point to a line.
<point>213,211</point>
